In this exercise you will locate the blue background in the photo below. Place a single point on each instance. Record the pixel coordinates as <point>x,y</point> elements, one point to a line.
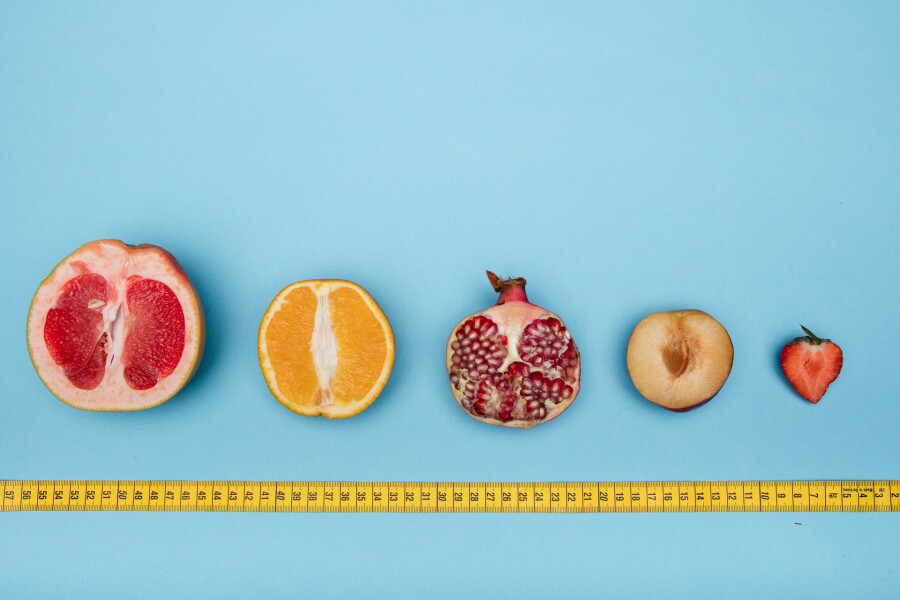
<point>742,158</point>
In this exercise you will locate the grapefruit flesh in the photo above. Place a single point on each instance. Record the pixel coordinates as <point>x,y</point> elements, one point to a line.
<point>116,327</point>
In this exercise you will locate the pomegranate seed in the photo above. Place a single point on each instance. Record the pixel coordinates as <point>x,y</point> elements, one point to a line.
<point>541,381</point>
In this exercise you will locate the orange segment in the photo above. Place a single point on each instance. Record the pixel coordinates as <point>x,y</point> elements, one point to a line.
<point>287,339</point>
<point>363,347</point>
<point>325,348</point>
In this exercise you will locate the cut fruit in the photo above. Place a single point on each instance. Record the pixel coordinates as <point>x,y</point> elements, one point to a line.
<point>325,348</point>
<point>811,364</point>
<point>116,327</point>
<point>513,364</point>
<point>679,359</point>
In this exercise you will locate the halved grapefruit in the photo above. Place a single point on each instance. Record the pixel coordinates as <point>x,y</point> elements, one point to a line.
<point>116,327</point>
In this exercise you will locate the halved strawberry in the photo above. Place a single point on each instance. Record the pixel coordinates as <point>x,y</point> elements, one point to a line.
<point>811,364</point>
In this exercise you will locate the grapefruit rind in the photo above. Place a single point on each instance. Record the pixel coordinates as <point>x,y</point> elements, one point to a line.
<point>332,411</point>
<point>114,258</point>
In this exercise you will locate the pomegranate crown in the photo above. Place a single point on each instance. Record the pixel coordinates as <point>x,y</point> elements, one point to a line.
<point>512,289</point>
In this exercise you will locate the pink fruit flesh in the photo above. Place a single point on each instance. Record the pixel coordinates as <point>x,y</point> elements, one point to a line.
<point>514,364</point>
<point>116,327</point>
<point>154,331</point>
<point>74,333</point>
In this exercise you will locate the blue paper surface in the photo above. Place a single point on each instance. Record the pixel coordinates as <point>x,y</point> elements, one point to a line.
<point>739,158</point>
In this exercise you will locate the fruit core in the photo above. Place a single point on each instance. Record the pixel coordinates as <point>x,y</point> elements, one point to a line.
<point>96,324</point>
<point>324,348</point>
<point>677,356</point>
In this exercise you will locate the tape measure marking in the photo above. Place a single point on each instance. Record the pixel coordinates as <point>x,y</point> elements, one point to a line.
<point>451,497</point>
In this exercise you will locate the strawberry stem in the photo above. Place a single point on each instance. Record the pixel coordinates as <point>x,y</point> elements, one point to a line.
<point>813,338</point>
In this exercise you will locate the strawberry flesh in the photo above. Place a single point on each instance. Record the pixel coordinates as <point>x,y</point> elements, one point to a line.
<point>811,364</point>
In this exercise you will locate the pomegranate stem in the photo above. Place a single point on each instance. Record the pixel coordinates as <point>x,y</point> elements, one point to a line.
<point>510,290</point>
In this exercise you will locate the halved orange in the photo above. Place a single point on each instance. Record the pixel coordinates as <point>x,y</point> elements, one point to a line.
<point>325,348</point>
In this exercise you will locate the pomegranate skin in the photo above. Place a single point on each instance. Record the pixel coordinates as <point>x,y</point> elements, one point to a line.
<point>513,364</point>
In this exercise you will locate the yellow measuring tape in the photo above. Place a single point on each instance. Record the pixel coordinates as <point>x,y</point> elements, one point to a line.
<point>451,497</point>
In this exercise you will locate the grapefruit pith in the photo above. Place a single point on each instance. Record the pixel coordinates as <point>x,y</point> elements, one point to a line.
<point>116,327</point>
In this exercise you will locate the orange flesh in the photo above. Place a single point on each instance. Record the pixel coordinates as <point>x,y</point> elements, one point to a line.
<point>288,340</point>
<point>359,337</point>
<point>362,349</point>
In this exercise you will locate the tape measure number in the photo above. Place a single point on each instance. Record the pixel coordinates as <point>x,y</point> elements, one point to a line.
<point>451,497</point>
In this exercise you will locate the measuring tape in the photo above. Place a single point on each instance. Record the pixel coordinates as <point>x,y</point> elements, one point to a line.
<point>451,497</point>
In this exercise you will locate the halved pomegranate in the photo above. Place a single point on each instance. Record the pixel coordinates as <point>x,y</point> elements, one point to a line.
<point>116,327</point>
<point>514,364</point>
